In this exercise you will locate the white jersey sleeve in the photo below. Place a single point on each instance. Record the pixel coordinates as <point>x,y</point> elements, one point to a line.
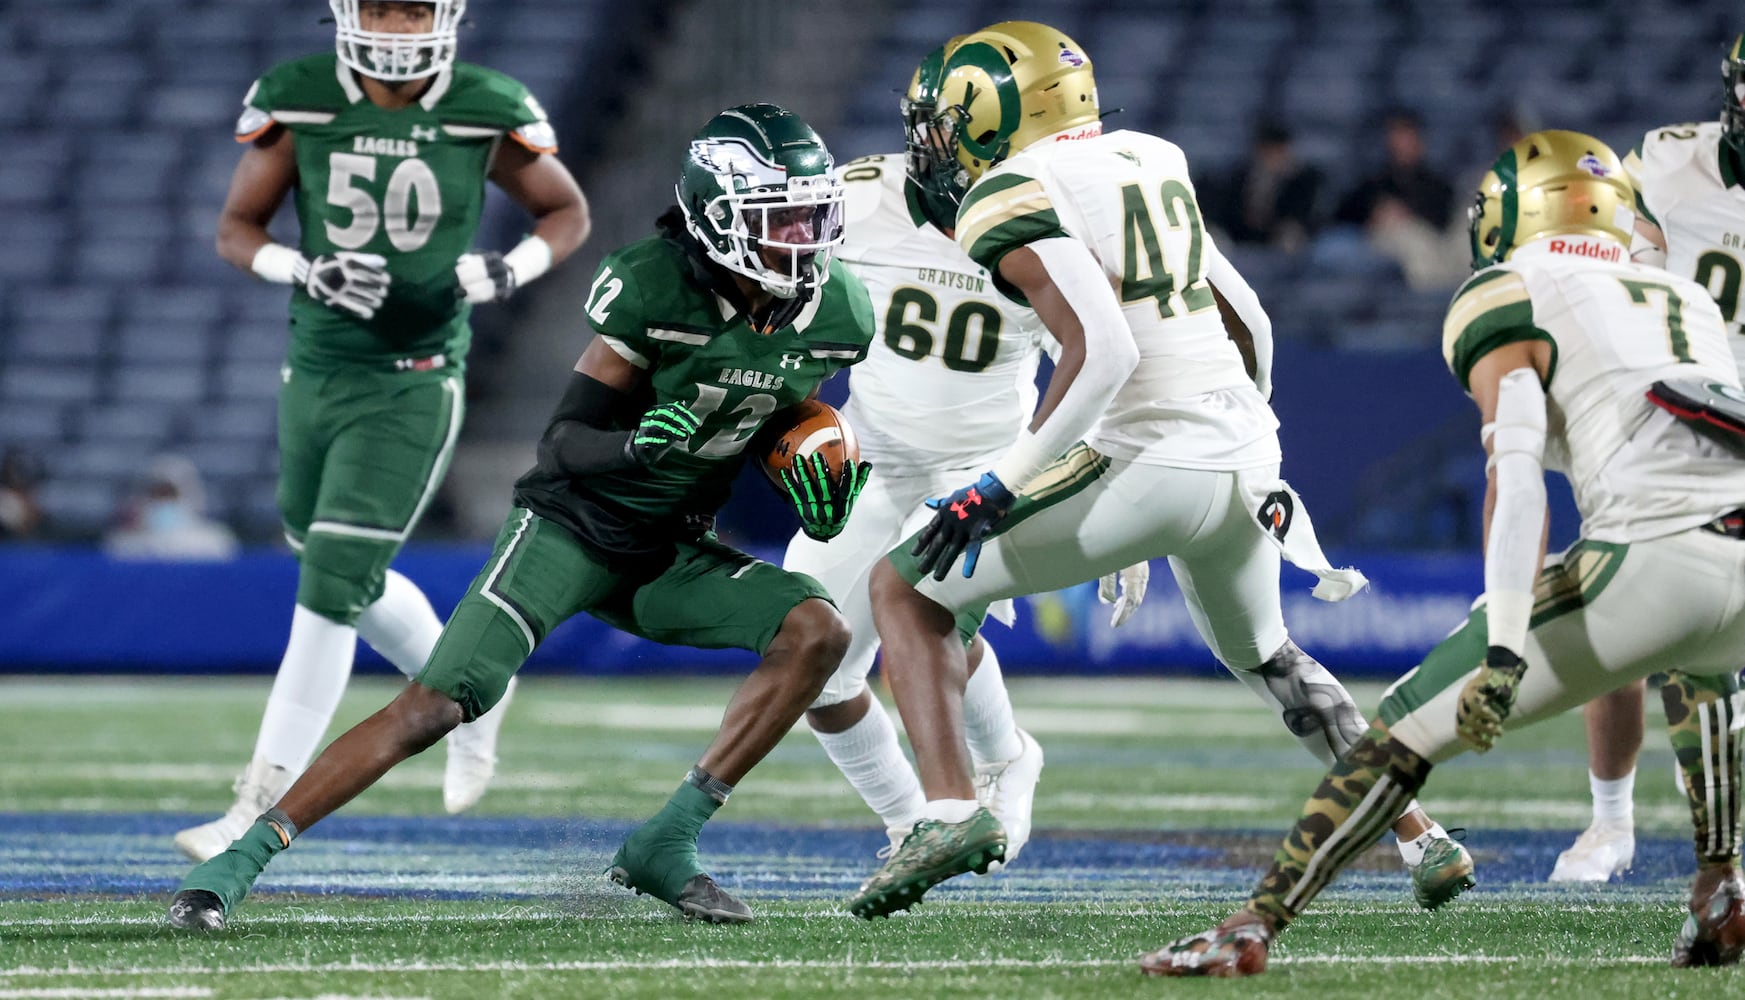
<point>1127,196</point>
<point>951,376</point>
<point>1615,329</point>
<point>1687,185</point>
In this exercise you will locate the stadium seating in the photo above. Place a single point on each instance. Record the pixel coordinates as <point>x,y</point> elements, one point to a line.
<point>122,333</point>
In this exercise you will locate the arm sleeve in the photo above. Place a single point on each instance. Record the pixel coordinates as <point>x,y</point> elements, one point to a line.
<point>1230,284</point>
<point>581,439</point>
<point>1110,357</point>
<point>1511,554</point>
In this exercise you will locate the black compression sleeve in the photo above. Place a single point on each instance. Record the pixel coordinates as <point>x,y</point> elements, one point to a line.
<point>581,439</point>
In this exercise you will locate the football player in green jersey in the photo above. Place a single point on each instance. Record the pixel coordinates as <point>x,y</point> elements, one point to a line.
<point>387,144</point>
<point>733,313</point>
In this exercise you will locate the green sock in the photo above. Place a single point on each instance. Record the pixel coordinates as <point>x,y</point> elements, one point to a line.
<point>230,875</point>
<point>661,855</point>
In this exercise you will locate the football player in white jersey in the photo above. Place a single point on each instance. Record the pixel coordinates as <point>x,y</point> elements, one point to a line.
<point>1561,341</point>
<point>1690,220</point>
<point>1100,234</point>
<point>948,384</point>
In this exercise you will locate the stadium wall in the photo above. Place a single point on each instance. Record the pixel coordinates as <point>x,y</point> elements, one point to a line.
<point>77,611</point>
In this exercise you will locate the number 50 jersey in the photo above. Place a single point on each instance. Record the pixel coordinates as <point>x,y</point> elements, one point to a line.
<point>407,184</point>
<point>950,379</point>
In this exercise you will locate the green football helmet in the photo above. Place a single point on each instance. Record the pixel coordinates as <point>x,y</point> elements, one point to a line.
<point>1733,103</point>
<point>393,56</point>
<point>935,174</point>
<point>757,191</point>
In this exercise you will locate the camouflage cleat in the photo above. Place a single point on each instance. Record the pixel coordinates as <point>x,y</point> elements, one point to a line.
<point>1714,932</point>
<point>196,910</point>
<point>1445,873</point>
<point>932,852</point>
<point>1235,948</point>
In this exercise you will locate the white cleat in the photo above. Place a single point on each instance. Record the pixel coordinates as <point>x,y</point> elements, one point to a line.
<point>1603,850</point>
<point>258,788</point>
<point>1008,789</point>
<point>472,756</point>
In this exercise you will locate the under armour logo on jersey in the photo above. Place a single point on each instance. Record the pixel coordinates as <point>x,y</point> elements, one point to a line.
<point>792,360</point>
<point>1275,513</point>
<point>419,132</point>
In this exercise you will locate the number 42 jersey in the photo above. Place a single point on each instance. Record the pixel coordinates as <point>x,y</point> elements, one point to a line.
<point>408,184</point>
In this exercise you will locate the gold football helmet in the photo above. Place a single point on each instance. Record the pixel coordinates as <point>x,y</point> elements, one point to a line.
<point>1550,182</point>
<point>1007,86</point>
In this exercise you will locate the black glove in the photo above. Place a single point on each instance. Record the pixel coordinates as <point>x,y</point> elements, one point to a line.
<point>822,502</point>
<point>484,277</point>
<point>959,524</point>
<point>662,429</point>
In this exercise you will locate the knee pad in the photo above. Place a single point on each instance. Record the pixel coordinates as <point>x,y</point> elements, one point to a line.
<point>339,575</point>
<point>1315,707</point>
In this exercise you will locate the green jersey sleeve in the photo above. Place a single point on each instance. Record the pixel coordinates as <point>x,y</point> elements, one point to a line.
<point>1493,308</point>
<point>300,92</point>
<point>484,99</point>
<point>618,314</point>
<point>1002,213</point>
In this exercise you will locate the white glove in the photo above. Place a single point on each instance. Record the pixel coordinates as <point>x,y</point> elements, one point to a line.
<point>1130,585</point>
<point>484,277</point>
<point>356,283</point>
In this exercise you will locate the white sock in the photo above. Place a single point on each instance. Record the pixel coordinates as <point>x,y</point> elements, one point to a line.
<point>1614,801</point>
<point>306,692</point>
<point>1412,851</point>
<point>401,625</point>
<point>872,760</point>
<point>987,712</point>
<point>950,810</point>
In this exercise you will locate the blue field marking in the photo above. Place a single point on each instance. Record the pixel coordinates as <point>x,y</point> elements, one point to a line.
<point>43,855</point>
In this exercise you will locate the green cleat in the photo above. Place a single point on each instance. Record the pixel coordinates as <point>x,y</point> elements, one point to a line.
<point>1445,873</point>
<point>212,890</point>
<point>667,869</point>
<point>933,852</point>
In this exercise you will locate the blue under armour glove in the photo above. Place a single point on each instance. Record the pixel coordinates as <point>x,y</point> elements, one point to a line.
<point>959,524</point>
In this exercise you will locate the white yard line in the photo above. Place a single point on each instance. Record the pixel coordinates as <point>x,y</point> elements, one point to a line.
<point>835,965</point>
<point>79,993</point>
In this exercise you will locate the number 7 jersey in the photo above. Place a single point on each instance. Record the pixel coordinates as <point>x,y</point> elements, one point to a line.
<point>1615,328</point>
<point>407,184</point>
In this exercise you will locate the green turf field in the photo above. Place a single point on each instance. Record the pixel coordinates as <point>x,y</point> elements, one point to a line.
<point>1160,802</point>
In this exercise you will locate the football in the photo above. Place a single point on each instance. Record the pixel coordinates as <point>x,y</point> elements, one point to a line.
<point>812,427</point>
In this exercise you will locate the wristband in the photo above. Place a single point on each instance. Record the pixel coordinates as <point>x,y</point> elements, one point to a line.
<point>279,264</point>
<point>530,259</point>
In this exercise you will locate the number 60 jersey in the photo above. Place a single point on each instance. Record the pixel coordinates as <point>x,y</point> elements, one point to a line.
<point>952,378</point>
<point>408,185</point>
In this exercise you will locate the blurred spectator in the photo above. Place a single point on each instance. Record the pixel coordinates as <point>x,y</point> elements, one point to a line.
<point>169,520</point>
<point>20,515</point>
<point>1405,179</point>
<point>1273,198</point>
<point>1407,210</point>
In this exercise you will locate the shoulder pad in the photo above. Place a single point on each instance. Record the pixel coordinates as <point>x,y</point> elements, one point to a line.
<point>1002,212</point>
<point>1492,308</point>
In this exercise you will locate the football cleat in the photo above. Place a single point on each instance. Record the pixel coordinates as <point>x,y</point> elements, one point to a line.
<point>196,910</point>
<point>257,789</point>
<point>932,852</point>
<point>1008,789</point>
<point>1602,850</point>
<point>1235,948</point>
<point>700,899</point>
<point>472,757</point>
<point>1444,873</point>
<point>1714,931</point>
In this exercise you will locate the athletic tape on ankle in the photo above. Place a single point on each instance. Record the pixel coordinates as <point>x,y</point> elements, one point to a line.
<point>712,786</point>
<point>281,825</point>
